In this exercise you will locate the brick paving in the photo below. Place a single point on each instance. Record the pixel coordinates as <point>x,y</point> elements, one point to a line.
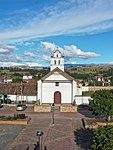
<point>59,136</point>
<point>6,110</point>
<point>8,133</point>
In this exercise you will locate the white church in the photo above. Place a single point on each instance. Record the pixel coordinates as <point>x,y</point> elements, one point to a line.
<point>57,86</point>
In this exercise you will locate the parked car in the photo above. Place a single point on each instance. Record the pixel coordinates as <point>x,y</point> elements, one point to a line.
<point>21,107</point>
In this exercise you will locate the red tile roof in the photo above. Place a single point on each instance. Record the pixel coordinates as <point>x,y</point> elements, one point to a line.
<point>15,88</point>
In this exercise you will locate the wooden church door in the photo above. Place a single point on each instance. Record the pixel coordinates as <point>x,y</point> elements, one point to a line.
<point>57,97</point>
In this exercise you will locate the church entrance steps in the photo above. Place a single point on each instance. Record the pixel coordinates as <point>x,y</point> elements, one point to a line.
<point>57,108</point>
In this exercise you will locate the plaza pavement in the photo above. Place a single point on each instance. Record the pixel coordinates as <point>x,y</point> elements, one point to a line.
<point>57,136</point>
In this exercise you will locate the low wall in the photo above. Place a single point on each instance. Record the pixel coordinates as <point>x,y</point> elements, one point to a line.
<point>68,108</point>
<point>94,88</point>
<point>42,108</point>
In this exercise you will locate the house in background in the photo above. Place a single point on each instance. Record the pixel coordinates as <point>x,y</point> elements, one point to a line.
<point>100,78</point>
<point>6,80</point>
<point>105,81</point>
<point>27,78</point>
<point>57,86</point>
<point>19,93</point>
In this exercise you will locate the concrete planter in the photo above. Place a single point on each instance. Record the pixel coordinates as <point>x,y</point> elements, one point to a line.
<point>68,109</point>
<point>17,122</point>
<point>42,108</point>
<point>104,123</point>
<point>101,123</point>
<point>95,124</point>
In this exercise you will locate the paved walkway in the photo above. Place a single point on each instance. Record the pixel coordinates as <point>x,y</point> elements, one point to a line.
<point>59,136</point>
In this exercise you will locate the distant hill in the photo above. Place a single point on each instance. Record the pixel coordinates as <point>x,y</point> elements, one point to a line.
<point>72,65</point>
<point>67,65</point>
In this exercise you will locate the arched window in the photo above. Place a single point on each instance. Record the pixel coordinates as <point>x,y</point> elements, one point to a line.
<point>55,62</point>
<point>59,62</point>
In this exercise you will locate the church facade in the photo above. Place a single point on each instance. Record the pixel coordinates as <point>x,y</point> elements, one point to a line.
<point>57,86</point>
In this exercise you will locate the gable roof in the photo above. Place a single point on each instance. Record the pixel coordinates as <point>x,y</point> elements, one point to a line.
<point>61,72</point>
<point>57,51</point>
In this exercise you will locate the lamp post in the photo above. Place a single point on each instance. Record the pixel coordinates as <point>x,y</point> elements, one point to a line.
<point>21,91</point>
<point>39,134</point>
<point>53,113</point>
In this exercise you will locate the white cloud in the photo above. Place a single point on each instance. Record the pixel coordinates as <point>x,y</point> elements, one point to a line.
<point>73,51</point>
<point>31,64</point>
<point>73,62</point>
<point>8,57</point>
<point>28,43</point>
<point>46,58</point>
<point>67,17</point>
<point>48,46</point>
<point>70,52</point>
<point>7,49</point>
<point>29,54</point>
<point>8,64</point>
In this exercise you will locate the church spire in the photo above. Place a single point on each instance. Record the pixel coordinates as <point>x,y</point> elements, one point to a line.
<point>57,60</point>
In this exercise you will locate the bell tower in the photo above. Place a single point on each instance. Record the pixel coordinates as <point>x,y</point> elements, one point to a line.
<point>57,60</point>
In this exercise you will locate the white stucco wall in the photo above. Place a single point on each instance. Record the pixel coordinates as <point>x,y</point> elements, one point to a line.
<point>39,94</point>
<point>48,90</point>
<point>82,100</point>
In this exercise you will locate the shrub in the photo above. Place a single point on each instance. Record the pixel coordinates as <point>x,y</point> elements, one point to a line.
<point>103,138</point>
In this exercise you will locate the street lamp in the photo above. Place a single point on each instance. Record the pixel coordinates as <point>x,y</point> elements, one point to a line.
<point>53,113</point>
<point>39,134</point>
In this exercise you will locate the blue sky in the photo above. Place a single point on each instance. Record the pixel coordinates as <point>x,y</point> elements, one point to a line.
<point>30,31</point>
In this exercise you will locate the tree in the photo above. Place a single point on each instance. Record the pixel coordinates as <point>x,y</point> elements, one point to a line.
<point>111,79</point>
<point>103,138</point>
<point>17,80</point>
<point>102,103</point>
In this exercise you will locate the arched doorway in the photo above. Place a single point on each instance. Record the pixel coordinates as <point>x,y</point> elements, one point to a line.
<point>57,97</point>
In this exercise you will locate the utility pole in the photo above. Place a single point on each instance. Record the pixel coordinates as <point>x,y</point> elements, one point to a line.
<point>21,91</point>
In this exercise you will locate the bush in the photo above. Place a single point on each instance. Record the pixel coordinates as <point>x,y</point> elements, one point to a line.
<point>103,138</point>
<point>19,116</point>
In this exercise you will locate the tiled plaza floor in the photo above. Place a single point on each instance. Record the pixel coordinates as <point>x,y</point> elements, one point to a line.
<point>57,136</point>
